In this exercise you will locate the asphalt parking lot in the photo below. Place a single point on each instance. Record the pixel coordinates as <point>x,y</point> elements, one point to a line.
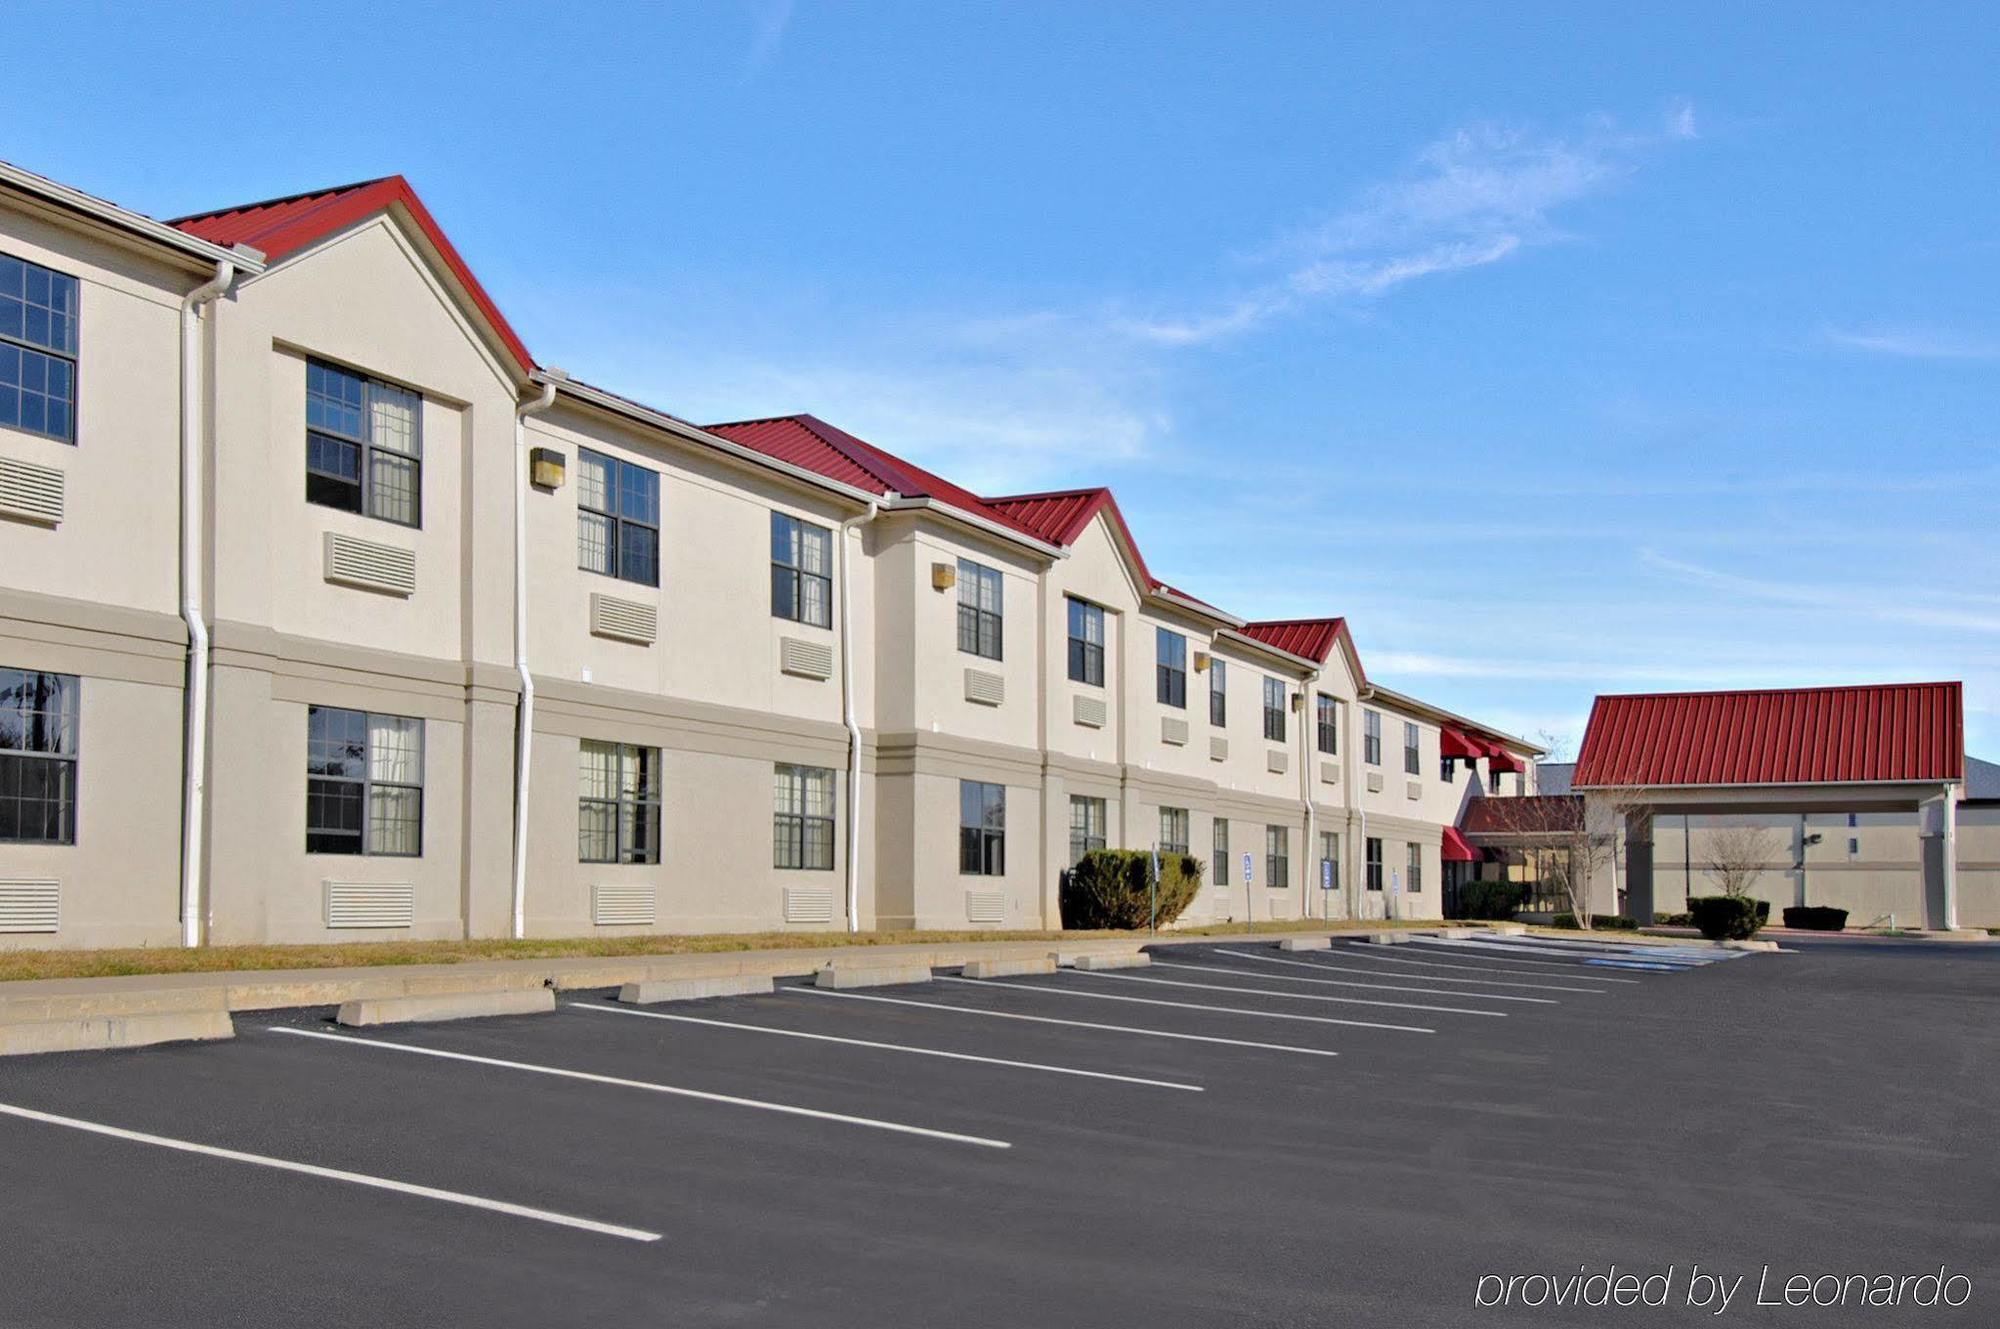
<point>1234,1135</point>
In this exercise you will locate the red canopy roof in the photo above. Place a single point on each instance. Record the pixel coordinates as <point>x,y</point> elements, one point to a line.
<point>1842,735</point>
<point>1452,743</point>
<point>1455,849</point>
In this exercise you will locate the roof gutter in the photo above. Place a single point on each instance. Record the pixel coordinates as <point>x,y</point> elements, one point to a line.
<point>194,777</point>
<point>246,260</point>
<point>1166,595</point>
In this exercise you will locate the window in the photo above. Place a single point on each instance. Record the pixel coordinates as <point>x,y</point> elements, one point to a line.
<point>1853,846</point>
<point>617,518</point>
<point>364,445</point>
<point>1277,863</point>
<point>1274,710</point>
<point>1448,769</point>
<point>1218,693</point>
<point>618,803</point>
<point>37,349</point>
<point>38,733</point>
<point>1329,857</point>
<point>978,610</point>
<point>1326,714</point>
<point>802,818</point>
<point>1371,737</point>
<point>1086,826</point>
<point>1413,763</point>
<point>1086,643</point>
<point>364,783</point>
<point>1373,850</point>
<point>1170,655</point>
<point>801,571</point>
<point>1494,779</point>
<point>1174,835</point>
<point>1221,877</point>
<point>982,829</point>
<point>1416,866</point>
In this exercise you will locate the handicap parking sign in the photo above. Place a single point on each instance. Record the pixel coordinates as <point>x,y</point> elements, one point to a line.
<point>1326,874</point>
<point>1246,867</point>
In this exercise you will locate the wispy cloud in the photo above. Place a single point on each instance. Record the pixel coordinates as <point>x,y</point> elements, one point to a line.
<point>769,20</point>
<point>1954,611</point>
<point>1915,343</point>
<point>1474,197</point>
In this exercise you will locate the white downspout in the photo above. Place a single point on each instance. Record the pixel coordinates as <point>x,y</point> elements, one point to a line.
<point>1949,855</point>
<point>1307,747</point>
<point>194,787</point>
<point>1361,806</point>
<point>853,720</point>
<point>524,730</point>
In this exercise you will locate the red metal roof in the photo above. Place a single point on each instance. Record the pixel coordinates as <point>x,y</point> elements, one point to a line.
<point>1535,814</point>
<point>282,226</point>
<point>1057,518</point>
<point>1455,849</point>
<point>1840,735</point>
<point>1309,638</point>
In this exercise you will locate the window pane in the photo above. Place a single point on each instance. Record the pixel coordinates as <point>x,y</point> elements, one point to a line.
<point>593,480</point>
<point>395,820</point>
<point>816,601</point>
<point>638,494</point>
<point>393,419</point>
<point>596,769</point>
<point>819,793</point>
<point>392,488</point>
<point>784,592</point>
<point>333,817</point>
<point>639,554</point>
<point>333,400</point>
<point>336,742</point>
<point>815,550</point>
<point>395,750</point>
<point>596,832</point>
<point>593,542</point>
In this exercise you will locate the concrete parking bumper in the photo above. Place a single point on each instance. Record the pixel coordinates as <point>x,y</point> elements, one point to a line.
<point>695,989</point>
<point>451,1006</point>
<point>843,976</point>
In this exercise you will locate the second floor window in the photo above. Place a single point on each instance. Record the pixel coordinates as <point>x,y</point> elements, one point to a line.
<point>802,818</point>
<point>1326,714</point>
<point>1174,830</point>
<point>364,783</point>
<point>617,518</point>
<point>364,445</point>
<point>801,571</point>
<point>978,610</point>
<point>37,349</point>
<point>1086,826</point>
<point>1413,763</point>
<point>982,829</point>
<point>1218,693</point>
<point>38,722</point>
<point>1170,654</point>
<point>1274,709</point>
<point>618,803</point>
<point>1086,643</point>
<point>1371,737</point>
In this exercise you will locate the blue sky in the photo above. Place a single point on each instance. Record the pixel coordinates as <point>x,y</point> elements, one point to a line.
<point>1564,349</point>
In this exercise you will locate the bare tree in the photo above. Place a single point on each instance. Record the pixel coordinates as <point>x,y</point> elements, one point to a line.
<point>1738,855</point>
<point>1565,840</point>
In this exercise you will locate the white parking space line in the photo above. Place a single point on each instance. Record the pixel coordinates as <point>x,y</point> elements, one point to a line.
<point>1340,982</point>
<point>677,1091</point>
<point>1602,944</point>
<point>886,1047</point>
<point>1300,996</point>
<point>1489,951</point>
<point>336,1174</point>
<point>1363,952</point>
<point>1588,951</point>
<point>996,985</point>
<point>1419,978</point>
<point>1072,1024</point>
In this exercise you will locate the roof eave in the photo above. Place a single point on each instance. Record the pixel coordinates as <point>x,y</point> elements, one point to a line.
<point>1166,596</point>
<point>1298,662</point>
<point>246,259</point>
<point>924,503</point>
<point>1439,713</point>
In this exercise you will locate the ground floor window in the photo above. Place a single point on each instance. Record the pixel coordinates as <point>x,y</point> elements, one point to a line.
<point>1277,859</point>
<point>1086,826</point>
<point>618,803</point>
<point>1374,858</point>
<point>38,722</point>
<point>1221,877</point>
<point>802,818</point>
<point>1174,833</point>
<point>364,783</point>
<point>982,829</point>
<point>1416,863</point>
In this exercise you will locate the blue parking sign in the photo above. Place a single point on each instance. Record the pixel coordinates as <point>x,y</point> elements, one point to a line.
<point>1326,874</point>
<point>1246,867</point>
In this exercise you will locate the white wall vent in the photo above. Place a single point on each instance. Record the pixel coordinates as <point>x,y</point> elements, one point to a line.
<point>31,492</point>
<point>627,620</point>
<point>1277,761</point>
<point>805,659</point>
<point>370,904</point>
<point>1413,789</point>
<point>985,906</point>
<point>1374,782</point>
<point>808,904</point>
<point>1088,711</point>
<point>1218,749</point>
<point>371,566</point>
<point>1329,771</point>
<point>30,904</point>
<point>1173,730</point>
<point>985,687</point>
<point>623,905</point>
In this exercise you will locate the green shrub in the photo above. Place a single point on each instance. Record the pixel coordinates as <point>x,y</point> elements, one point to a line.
<point>1112,888</point>
<point>1614,922</point>
<point>1763,912</point>
<point>1491,899</point>
<point>1719,917</point>
<point>1816,918</point>
<point>1680,920</point>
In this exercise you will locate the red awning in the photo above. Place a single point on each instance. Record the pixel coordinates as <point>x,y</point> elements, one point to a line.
<point>1504,760</point>
<point>1451,743</point>
<point>1455,849</point>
